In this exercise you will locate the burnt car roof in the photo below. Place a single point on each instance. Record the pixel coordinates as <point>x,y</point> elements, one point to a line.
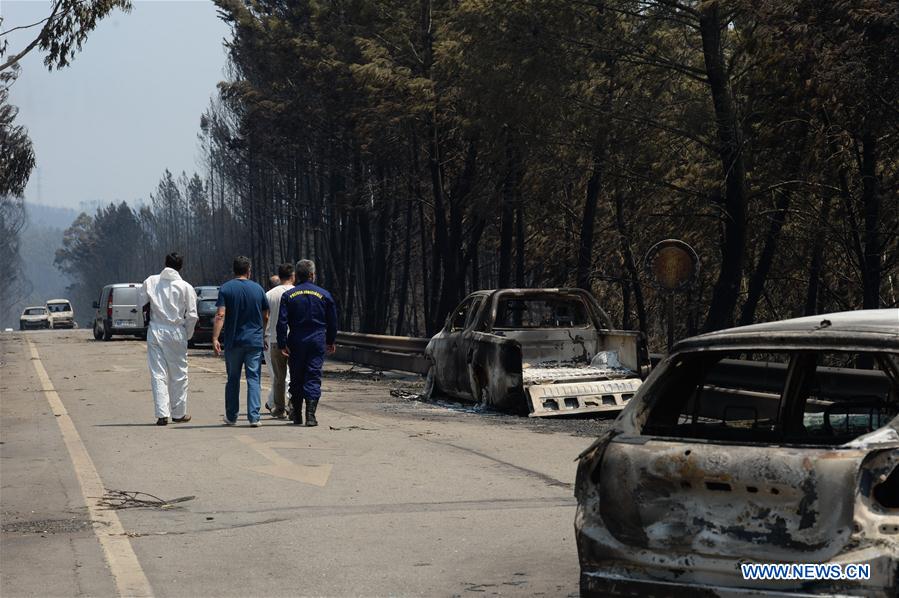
<point>869,328</point>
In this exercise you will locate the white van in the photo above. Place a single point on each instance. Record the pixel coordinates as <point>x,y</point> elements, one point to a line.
<point>61,313</point>
<point>117,312</point>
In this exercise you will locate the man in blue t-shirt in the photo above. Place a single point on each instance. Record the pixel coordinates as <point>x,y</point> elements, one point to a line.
<point>242,316</point>
<point>307,330</point>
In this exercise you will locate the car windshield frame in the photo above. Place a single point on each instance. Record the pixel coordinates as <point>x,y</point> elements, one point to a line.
<point>35,311</point>
<point>62,307</point>
<point>546,297</point>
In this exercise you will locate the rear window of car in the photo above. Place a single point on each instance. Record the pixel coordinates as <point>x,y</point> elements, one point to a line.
<point>59,307</point>
<point>207,292</point>
<point>124,296</point>
<point>35,311</point>
<point>806,397</point>
<point>541,311</point>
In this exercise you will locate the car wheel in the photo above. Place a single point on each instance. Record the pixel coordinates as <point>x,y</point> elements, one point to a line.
<point>21,326</point>
<point>107,333</point>
<point>98,334</point>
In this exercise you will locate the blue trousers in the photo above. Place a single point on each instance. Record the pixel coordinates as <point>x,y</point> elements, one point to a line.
<point>306,361</point>
<point>250,359</point>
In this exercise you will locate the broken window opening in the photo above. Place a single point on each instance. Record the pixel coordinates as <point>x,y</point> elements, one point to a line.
<point>776,397</point>
<point>541,311</point>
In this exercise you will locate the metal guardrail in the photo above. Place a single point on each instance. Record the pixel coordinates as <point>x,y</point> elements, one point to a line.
<point>398,344</point>
<point>403,353</point>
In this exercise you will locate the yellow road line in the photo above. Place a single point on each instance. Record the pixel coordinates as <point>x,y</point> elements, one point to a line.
<point>129,577</point>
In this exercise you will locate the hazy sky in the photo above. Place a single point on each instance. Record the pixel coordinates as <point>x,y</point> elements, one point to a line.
<point>128,107</point>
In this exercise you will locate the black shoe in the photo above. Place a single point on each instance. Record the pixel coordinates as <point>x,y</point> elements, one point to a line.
<point>162,421</point>
<point>310,413</point>
<point>297,411</point>
<point>181,420</point>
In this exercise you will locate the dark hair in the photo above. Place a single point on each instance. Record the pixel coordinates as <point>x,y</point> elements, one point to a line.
<point>174,261</point>
<point>305,270</point>
<point>285,271</point>
<point>241,265</point>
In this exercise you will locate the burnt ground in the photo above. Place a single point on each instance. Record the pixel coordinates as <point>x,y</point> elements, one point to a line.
<point>404,393</point>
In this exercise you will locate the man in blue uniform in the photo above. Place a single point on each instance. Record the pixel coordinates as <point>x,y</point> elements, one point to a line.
<point>307,330</point>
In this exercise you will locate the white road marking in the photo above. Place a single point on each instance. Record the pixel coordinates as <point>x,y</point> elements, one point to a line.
<point>280,467</point>
<point>130,579</point>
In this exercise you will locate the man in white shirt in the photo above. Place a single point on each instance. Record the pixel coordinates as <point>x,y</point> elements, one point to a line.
<point>277,362</point>
<point>173,315</point>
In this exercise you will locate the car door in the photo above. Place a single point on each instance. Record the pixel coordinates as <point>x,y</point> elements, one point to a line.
<point>720,471</point>
<point>125,312</point>
<point>446,346</point>
<point>100,308</point>
<point>462,347</point>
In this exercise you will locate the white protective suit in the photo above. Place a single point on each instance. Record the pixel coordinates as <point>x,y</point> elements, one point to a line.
<point>173,315</point>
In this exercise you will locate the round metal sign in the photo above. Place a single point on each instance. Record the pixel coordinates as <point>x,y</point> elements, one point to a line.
<point>673,264</point>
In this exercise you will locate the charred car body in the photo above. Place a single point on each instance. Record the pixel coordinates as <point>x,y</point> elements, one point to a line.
<point>771,443</point>
<point>544,352</point>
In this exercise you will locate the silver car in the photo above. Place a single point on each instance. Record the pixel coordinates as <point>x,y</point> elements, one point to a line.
<point>773,444</point>
<point>117,312</point>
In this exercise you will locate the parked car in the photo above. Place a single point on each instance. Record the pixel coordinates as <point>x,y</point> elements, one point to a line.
<point>61,313</point>
<point>34,317</point>
<point>206,299</point>
<point>117,312</point>
<point>542,352</point>
<point>770,443</point>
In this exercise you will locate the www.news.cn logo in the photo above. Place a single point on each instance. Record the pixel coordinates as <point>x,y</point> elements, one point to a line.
<point>805,571</point>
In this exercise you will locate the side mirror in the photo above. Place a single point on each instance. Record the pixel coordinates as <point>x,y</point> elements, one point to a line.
<point>96,305</point>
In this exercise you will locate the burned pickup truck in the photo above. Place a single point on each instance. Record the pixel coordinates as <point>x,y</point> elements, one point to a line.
<point>761,460</point>
<point>542,352</point>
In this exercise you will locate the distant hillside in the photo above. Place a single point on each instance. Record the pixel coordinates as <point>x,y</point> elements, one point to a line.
<point>50,216</point>
<point>39,240</point>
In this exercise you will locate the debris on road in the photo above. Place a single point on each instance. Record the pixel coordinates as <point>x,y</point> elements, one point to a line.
<point>127,499</point>
<point>402,393</point>
<point>354,428</point>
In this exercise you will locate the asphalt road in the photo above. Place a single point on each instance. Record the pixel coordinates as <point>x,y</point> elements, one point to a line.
<point>388,496</point>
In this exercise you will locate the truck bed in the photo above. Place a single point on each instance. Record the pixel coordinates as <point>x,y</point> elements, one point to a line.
<point>560,390</point>
<point>555,374</point>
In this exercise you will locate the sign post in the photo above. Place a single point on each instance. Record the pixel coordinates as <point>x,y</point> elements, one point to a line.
<point>674,267</point>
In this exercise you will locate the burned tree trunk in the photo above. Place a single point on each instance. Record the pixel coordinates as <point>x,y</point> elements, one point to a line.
<point>730,145</point>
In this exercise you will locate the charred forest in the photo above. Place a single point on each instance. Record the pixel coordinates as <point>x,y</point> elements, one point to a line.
<point>420,150</point>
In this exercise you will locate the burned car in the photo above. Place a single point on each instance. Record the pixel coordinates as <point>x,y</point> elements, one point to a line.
<point>767,444</point>
<point>542,352</point>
